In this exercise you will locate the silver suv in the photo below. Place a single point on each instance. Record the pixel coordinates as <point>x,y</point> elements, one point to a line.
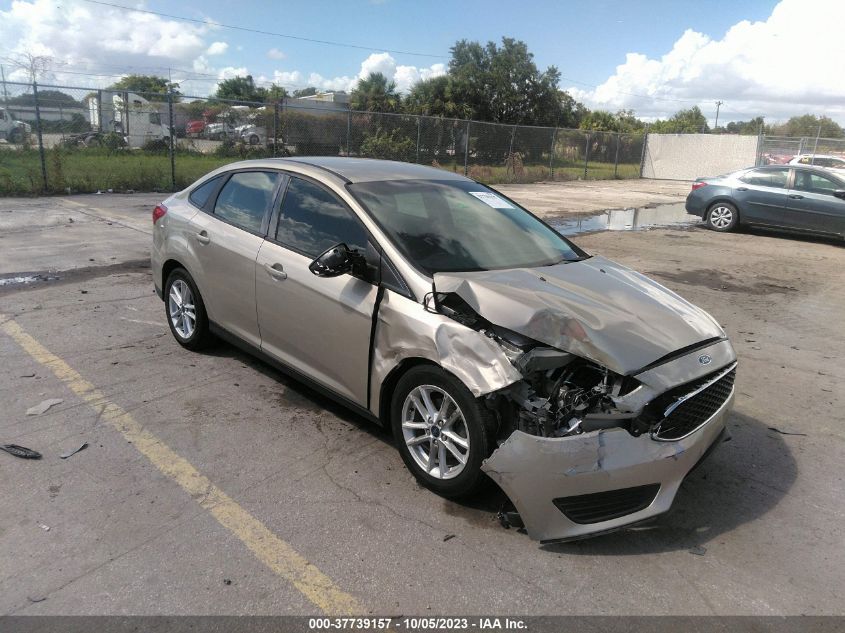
<point>427,302</point>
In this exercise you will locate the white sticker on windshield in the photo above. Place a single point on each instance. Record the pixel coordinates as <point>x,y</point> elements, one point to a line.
<point>491,199</point>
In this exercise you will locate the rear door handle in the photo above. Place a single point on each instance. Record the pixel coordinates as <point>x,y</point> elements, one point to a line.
<point>796,196</point>
<point>742,188</point>
<point>276,271</point>
<point>202,237</point>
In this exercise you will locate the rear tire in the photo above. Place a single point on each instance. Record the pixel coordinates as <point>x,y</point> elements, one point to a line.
<point>722,217</point>
<point>185,311</point>
<point>434,417</point>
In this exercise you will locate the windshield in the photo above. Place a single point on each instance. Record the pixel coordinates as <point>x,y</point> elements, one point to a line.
<point>457,226</point>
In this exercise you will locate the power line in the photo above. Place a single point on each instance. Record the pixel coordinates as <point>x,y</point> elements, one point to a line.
<point>260,32</point>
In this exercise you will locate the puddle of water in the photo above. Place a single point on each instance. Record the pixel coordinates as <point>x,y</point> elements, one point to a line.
<point>24,279</point>
<point>664,215</point>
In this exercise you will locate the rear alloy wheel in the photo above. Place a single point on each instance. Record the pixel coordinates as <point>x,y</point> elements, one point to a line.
<point>254,140</point>
<point>722,217</point>
<point>442,432</point>
<point>186,311</point>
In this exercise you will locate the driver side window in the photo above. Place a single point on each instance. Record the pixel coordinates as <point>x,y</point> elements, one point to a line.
<point>313,219</point>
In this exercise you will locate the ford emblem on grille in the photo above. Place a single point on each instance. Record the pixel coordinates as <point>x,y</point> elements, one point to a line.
<point>704,359</point>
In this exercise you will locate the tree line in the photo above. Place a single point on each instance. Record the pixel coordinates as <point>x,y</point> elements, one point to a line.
<point>497,83</point>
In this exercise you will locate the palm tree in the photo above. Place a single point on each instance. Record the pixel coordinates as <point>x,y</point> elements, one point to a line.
<point>375,94</point>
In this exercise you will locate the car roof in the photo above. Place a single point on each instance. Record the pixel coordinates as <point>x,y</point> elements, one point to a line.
<point>357,169</point>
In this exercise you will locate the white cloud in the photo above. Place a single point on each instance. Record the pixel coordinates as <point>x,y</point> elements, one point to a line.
<point>88,42</point>
<point>93,45</point>
<point>229,72</point>
<point>404,76</point>
<point>788,64</point>
<point>217,48</point>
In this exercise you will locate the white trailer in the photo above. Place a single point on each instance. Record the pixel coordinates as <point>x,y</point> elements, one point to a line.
<point>129,115</point>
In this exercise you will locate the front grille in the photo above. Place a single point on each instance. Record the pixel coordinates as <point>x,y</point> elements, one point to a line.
<point>604,506</point>
<point>695,411</point>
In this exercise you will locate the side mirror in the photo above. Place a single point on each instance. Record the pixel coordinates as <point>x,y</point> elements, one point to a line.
<point>337,260</point>
<point>839,193</point>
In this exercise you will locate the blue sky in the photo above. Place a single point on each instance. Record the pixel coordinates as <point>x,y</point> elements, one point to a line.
<point>586,40</point>
<point>652,56</point>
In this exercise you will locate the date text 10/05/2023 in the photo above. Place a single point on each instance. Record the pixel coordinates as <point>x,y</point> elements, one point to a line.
<point>425,623</point>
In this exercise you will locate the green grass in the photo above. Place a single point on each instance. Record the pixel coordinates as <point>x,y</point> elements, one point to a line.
<point>89,170</point>
<point>499,174</point>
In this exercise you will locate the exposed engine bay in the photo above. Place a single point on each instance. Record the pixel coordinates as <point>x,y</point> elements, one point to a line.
<point>561,394</point>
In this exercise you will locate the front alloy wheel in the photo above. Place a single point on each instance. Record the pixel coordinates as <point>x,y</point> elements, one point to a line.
<point>435,432</point>
<point>442,431</point>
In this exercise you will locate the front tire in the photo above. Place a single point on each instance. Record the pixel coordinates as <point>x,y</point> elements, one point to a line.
<point>722,217</point>
<point>442,431</point>
<point>185,311</point>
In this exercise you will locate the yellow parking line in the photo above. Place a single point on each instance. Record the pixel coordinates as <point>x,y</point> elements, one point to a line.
<point>275,553</point>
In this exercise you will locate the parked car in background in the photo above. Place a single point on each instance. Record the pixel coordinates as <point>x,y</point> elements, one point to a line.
<point>219,131</point>
<point>793,197</point>
<point>490,344</point>
<point>252,135</point>
<point>195,128</point>
<point>836,163</point>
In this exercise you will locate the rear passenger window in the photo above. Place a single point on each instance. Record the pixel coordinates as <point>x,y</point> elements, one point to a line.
<point>244,199</point>
<point>313,220</point>
<point>767,177</point>
<point>200,195</point>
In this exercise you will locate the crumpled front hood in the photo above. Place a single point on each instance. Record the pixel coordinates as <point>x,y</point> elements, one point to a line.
<point>593,308</point>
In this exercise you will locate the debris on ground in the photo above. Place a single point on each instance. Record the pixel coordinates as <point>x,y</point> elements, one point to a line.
<point>510,519</point>
<point>227,582</point>
<point>777,430</point>
<point>38,599</point>
<point>698,550</point>
<point>30,375</point>
<point>448,537</point>
<point>74,451</point>
<point>42,406</point>
<point>46,528</point>
<point>20,451</point>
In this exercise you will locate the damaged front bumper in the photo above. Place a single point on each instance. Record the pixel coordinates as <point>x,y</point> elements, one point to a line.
<point>575,486</point>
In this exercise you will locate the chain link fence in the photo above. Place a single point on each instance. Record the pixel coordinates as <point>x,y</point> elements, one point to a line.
<point>779,150</point>
<point>61,139</point>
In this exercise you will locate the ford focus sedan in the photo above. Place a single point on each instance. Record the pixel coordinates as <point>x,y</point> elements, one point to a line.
<point>493,347</point>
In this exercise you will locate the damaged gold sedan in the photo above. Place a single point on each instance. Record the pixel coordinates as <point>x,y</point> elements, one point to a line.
<point>491,345</point>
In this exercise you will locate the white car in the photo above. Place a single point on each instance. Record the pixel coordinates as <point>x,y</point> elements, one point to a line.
<point>252,135</point>
<point>834,163</point>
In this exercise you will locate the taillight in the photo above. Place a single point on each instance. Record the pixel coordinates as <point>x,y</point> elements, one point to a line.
<point>698,185</point>
<point>159,212</point>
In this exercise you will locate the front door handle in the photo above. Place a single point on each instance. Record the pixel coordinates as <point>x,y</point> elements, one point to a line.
<point>202,237</point>
<point>742,188</point>
<point>796,196</point>
<point>276,271</point>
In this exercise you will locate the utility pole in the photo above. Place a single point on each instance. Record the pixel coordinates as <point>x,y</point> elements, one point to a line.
<point>5,94</point>
<point>718,105</point>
